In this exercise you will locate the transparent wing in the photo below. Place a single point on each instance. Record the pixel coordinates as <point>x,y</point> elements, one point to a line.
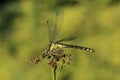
<point>51,27</point>
<point>58,22</point>
<point>55,25</point>
<point>67,39</point>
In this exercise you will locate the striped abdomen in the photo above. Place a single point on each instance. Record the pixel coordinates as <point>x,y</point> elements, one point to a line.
<point>77,47</point>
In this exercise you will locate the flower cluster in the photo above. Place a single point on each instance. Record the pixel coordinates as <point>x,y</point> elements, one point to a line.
<point>35,60</point>
<point>56,57</point>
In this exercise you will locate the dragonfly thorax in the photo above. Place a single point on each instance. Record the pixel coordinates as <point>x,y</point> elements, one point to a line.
<point>53,50</point>
<point>54,45</point>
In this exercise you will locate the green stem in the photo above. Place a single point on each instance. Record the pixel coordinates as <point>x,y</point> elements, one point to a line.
<point>54,73</point>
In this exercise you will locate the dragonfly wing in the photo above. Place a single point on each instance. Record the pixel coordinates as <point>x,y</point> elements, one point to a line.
<point>58,22</point>
<point>67,39</point>
<point>51,27</point>
<point>55,25</point>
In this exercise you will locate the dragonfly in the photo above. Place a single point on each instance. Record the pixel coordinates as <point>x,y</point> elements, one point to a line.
<point>55,49</point>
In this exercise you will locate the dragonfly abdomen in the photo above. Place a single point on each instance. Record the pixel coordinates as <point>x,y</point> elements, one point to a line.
<point>77,47</point>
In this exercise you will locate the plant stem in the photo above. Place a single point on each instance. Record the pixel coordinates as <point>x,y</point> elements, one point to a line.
<point>54,73</point>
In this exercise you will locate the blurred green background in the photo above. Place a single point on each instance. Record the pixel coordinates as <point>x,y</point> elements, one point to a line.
<point>23,34</point>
